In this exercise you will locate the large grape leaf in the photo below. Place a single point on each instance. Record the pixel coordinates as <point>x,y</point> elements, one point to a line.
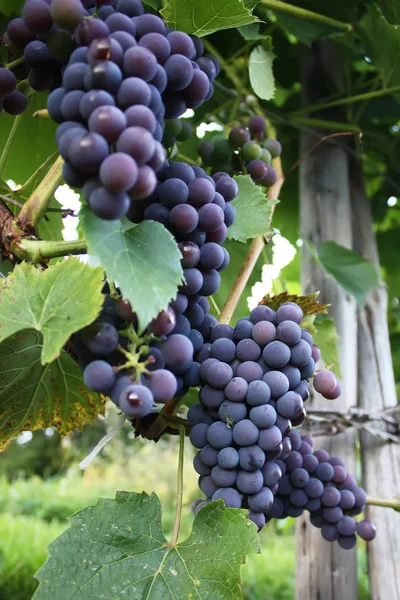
<point>33,396</point>
<point>260,70</point>
<point>382,42</point>
<point>253,211</point>
<point>117,550</point>
<point>353,272</point>
<point>56,301</point>
<point>202,17</point>
<point>144,260</point>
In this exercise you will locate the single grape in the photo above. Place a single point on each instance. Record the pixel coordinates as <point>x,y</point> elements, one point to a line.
<point>219,375</point>
<point>136,401</point>
<point>118,172</point>
<point>219,435</point>
<point>232,412</point>
<point>262,313</point>
<point>162,384</point>
<point>258,393</point>
<point>230,496</point>
<point>100,338</point>
<point>366,530</point>
<point>140,62</point>
<point>263,416</point>
<point>223,477</point>
<point>272,473</point>
<point>249,482</point>
<point>198,435</point>
<point>251,458</point>
<point>106,205</point>
<point>236,389</point>
<point>277,354</point>
<point>238,136</point>
<point>228,458</point>
<point>99,376</point>
<point>270,438</point>
<point>245,433</point>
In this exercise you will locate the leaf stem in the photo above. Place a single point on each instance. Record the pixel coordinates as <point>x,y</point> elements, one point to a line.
<point>8,145</point>
<point>179,490</point>
<point>308,15</point>
<point>39,171</point>
<point>214,306</point>
<point>342,101</point>
<point>38,202</point>
<point>320,123</point>
<point>15,63</point>
<point>36,251</point>
<point>385,503</point>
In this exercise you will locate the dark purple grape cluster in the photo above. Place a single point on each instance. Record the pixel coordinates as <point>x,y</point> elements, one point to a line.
<point>44,38</point>
<point>116,91</point>
<point>319,483</point>
<point>161,359</point>
<point>197,210</point>
<point>255,382</point>
<point>246,150</point>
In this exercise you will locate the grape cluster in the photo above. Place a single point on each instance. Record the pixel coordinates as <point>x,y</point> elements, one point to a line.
<point>197,210</point>
<point>101,351</point>
<point>319,483</point>
<point>116,90</point>
<point>255,378</point>
<point>246,149</point>
<point>44,36</point>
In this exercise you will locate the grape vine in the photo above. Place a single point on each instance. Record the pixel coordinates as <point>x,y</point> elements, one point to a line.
<point>119,80</point>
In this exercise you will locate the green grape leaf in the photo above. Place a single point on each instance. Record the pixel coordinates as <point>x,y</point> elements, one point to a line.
<point>326,338</point>
<point>260,70</point>
<point>202,17</point>
<point>156,4</point>
<point>382,42</point>
<point>143,260</point>
<point>251,32</point>
<point>117,549</point>
<point>353,272</point>
<point>304,31</point>
<point>56,301</point>
<point>29,129</point>
<point>253,210</point>
<point>33,396</point>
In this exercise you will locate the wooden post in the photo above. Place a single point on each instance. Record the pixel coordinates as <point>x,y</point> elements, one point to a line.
<point>376,391</point>
<point>323,569</point>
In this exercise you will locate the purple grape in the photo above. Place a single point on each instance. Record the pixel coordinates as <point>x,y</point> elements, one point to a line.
<point>294,460</point>
<point>365,529</point>
<point>270,438</point>
<point>332,515</point>
<point>249,482</point>
<point>277,382</point>
<point>136,401</point>
<point>162,384</point>
<point>230,496</point>
<point>211,397</point>
<point>236,389</point>
<point>209,455</point>
<point>177,350</point>
<point>183,218</point>
<point>228,458</point>
<point>272,473</point>
<point>8,81</point>
<point>99,376</point>
<point>223,349</point>
<point>219,375</point>
<point>250,371</point>
<point>139,62</point>
<point>199,466</point>
<point>219,435</point>
<point>251,458</point>
<point>329,532</point>
<point>324,472</point>
<point>207,486</point>
<point>232,412</point>
<point>262,313</point>
<point>276,354</point>
<point>37,17</point>
<point>258,393</point>
<point>137,142</point>
<point>223,477</point>
<point>289,405</point>
<point>100,338</point>
<point>198,435</point>
<point>263,416</point>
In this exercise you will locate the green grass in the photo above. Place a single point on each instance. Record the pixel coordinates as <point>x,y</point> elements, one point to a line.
<point>23,543</point>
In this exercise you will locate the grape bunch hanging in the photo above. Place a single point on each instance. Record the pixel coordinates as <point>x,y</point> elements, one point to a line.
<point>120,80</point>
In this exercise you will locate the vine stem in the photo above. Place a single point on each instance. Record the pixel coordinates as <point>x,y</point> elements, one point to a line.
<point>341,101</point>
<point>179,488</point>
<point>392,503</point>
<point>38,202</point>
<point>255,250</point>
<point>308,15</point>
<point>36,251</point>
<point>8,145</point>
